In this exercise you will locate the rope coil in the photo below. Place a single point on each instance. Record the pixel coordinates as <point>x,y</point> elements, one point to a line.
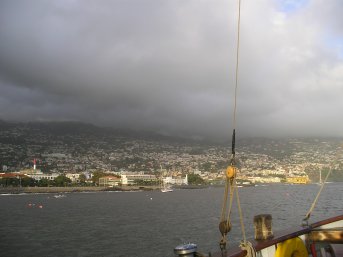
<point>249,248</point>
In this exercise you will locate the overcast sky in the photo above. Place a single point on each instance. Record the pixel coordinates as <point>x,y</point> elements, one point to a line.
<point>169,65</point>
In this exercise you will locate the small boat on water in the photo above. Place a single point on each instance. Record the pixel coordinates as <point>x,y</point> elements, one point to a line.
<point>59,196</point>
<point>165,188</point>
<point>323,238</point>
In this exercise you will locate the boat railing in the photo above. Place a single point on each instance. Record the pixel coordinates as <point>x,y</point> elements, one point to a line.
<point>328,231</point>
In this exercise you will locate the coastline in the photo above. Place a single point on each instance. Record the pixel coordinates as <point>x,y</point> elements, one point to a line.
<point>58,190</point>
<point>36,190</point>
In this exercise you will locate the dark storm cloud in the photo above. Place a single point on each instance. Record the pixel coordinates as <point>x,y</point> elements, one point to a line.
<point>169,65</point>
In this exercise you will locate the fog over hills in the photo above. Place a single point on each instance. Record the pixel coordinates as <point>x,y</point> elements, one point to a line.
<point>70,129</point>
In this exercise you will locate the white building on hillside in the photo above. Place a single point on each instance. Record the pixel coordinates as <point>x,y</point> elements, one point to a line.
<point>39,175</point>
<point>74,177</point>
<point>176,181</point>
<point>127,179</point>
<point>109,181</point>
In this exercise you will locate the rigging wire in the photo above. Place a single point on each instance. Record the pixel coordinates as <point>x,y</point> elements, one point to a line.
<point>307,216</point>
<point>237,65</point>
<point>230,184</point>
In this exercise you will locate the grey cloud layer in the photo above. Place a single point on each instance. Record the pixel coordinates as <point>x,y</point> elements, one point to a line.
<point>169,65</point>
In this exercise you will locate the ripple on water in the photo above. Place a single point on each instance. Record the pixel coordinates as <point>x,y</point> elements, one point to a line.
<point>148,224</point>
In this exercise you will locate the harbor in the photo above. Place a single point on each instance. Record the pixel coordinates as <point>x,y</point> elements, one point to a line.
<point>117,223</point>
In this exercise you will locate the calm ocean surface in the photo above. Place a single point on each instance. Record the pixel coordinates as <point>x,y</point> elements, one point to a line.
<point>147,224</point>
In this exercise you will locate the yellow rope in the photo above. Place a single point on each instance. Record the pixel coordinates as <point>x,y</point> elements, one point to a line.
<point>232,189</point>
<point>247,246</point>
<point>224,201</point>
<point>307,216</point>
<point>231,183</point>
<point>317,197</point>
<point>240,216</point>
<point>228,186</point>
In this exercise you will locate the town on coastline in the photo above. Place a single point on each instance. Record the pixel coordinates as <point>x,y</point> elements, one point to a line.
<point>69,154</point>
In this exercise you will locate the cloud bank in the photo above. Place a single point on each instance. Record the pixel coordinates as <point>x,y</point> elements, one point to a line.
<point>169,66</point>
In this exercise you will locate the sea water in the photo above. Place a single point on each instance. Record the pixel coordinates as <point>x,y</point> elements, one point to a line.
<point>148,224</point>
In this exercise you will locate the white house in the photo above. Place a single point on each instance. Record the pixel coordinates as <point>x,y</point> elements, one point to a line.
<point>176,181</point>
